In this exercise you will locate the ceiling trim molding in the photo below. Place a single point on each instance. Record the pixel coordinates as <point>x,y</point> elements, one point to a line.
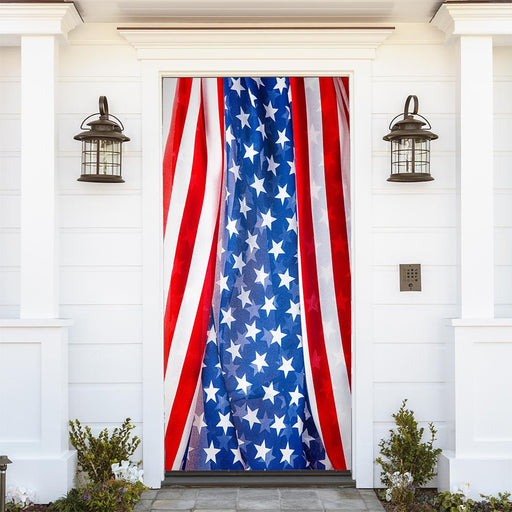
<point>38,18</point>
<point>468,18</point>
<point>157,42</point>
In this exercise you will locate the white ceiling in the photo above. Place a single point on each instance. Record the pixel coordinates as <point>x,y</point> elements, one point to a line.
<point>338,11</point>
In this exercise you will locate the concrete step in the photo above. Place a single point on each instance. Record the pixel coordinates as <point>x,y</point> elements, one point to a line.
<point>258,478</point>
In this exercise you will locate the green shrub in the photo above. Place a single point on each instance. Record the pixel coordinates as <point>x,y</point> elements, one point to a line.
<point>110,496</point>
<point>97,454</point>
<point>500,504</point>
<point>404,452</point>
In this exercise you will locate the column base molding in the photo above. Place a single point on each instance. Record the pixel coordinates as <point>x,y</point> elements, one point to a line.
<point>49,477</point>
<point>485,475</point>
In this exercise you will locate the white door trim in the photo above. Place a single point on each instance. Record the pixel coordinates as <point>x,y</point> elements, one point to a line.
<point>260,52</point>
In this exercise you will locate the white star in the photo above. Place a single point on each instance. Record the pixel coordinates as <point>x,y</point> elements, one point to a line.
<point>306,438</point>
<point>237,86</point>
<point>231,227</point>
<point>260,362</point>
<point>252,331</point>
<point>244,297</point>
<point>280,84</point>
<point>296,396</point>
<point>243,384</point>
<point>286,279</point>
<point>223,283</point>
<point>235,169</point>
<point>234,350</point>
<point>272,166</point>
<point>243,207</point>
<point>227,317</point>
<point>199,422</point>
<point>244,118</point>
<point>261,128</point>
<point>211,453</point>
<point>224,422</point>
<point>239,262</point>
<point>251,417</point>
<point>237,455</point>
<point>286,366</point>
<point>276,249</point>
<point>270,111</point>
<point>259,82</point>
<point>282,138</point>
<point>277,335</point>
<point>270,392</point>
<point>292,223</point>
<point>269,305</point>
<point>211,392</point>
<point>261,275</point>
<point>267,219</point>
<point>299,425</point>
<point>252,241</point>
<point>250,152</point>
<point>261,450</point>
<point>287,453</point>
<point>252,98</point>
<point>283,194</point>
<point>278,423</point>
<point>229,136</point>
<point>212,335</point>
<point>292,167</point>
<point>294,309</point>
<point>258,185</point>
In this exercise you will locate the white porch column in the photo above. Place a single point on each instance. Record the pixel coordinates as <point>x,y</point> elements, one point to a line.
<point>482,451</point>
<point>38,266</point>
<point>475,141</point>
<point>34,348</point>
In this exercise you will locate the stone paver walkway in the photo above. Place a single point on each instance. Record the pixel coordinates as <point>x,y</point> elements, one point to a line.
<point>266,499</point>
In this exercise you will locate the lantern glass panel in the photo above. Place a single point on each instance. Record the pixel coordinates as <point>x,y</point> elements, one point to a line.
<point>89,156</point>
<point>410,155</point>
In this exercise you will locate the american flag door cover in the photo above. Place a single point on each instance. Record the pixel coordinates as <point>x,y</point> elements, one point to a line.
<point>257,326</point>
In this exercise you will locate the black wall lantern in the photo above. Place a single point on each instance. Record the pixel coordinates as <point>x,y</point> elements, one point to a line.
<point>101,147</point>
<point>410,145</point>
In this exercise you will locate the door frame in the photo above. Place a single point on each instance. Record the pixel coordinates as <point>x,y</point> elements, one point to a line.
<point>212,51</point>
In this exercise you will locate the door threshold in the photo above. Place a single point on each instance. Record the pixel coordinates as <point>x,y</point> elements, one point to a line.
<point>284,478</point>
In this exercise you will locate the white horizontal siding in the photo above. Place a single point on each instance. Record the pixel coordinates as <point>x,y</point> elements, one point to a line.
<point>104,323</point>
<point>105,403</point>
<point>414,223</point>
<point>120,363</point>
<point>502,182</point>
<point>100,232</point>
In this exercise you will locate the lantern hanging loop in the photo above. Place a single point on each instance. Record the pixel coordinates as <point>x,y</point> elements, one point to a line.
<point>407,114</point>
<point>103,113</point>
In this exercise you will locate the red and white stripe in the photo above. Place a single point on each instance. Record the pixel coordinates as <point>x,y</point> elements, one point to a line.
<point>321,136</point>
<point>192,179</point>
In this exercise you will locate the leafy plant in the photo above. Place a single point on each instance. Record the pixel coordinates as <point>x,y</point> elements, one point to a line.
<point>404,451</point>
<point>97,454</point>
<point>72,502</point>
<point>500,504</point>
<point>453,502</point>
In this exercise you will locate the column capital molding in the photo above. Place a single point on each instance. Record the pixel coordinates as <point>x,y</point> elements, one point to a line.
<point>456,18</point>
<point>21,19</point>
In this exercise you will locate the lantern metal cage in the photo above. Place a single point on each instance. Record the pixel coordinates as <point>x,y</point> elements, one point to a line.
<point>410,145</point>
<point>102,147</point>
